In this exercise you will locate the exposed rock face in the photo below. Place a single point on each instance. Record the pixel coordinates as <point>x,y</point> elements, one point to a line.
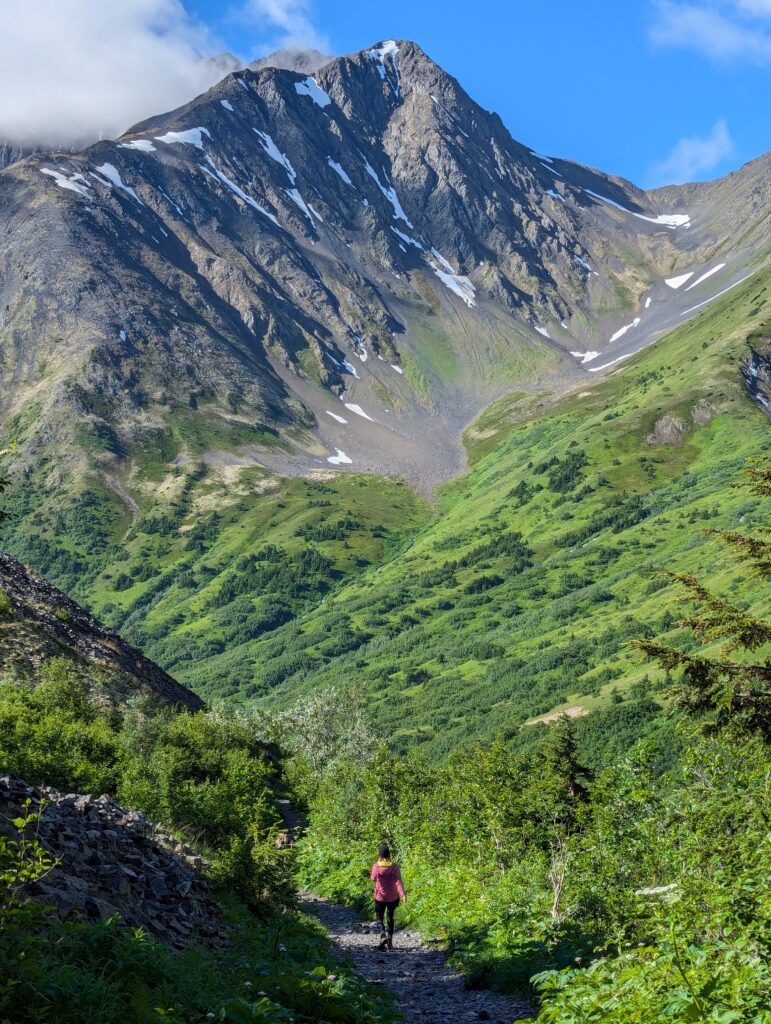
<point>113,861</point>
<point>40,622</point>
<point>667,430</point>
<point>756,374</point>
<point>283,241</point>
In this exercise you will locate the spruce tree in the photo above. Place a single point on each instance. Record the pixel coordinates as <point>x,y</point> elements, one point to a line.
<point>721,688</point>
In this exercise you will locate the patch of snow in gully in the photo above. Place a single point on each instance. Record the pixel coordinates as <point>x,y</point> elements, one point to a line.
<point>71,183</point>
<point>585,357</point>
<point>704,277</point>
<point>340,459</point>
<point>192,137</point>
<point>670,220</point>
<point>389,193</point>
<point>649,300</point>
<point>595,369</point>
<point>335,416</point>
<point>457,283</point>
<point>358,410</point>
<point>451,116</point>
<point>407,238</point>
<point>712,299</point>
<point>227,105</point>
<point>678,282</point>
<point>543,331</point>
<point>143,145</point>
<point>275,153</point>
<point>310,87</point>
<point>338,169</point>
<point>111,173</point>
<point>379,54</point>
<point>215,172</point>
<point>622,331</point>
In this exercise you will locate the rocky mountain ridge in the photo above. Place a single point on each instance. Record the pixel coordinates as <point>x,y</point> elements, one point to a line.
<point>38,622</point>
<point>336,272</point>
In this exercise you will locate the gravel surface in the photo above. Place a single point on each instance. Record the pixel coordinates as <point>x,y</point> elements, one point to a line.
<point>426,989</point>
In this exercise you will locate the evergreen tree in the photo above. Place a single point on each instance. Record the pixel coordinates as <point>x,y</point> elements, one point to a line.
<point>724,688</point>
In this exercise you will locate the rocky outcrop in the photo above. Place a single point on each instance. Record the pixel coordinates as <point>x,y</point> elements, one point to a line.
<point>109,860</point>
<point>38,622</point>
<point>756,374</point>
<point>669,429</point>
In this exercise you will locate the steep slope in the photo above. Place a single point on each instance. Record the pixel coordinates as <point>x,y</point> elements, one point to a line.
<point>213,326</point>
<point>38,622</point>
<point>520,598</point>
<point>283,242</point>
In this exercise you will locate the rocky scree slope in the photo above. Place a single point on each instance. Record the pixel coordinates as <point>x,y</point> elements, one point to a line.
<point>108,860</point>
<point>333,271</point>
<point>38,622</point>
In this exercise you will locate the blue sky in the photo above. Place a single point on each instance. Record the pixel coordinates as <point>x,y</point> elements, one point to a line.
<point>654,90</point>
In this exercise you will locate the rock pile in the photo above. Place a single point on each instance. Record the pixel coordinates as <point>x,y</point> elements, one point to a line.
<point>114,861</point>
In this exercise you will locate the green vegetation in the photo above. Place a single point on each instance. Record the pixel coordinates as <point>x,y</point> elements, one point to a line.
<point>513,601</point>
<point>208,779</point>
<point>637,893</point>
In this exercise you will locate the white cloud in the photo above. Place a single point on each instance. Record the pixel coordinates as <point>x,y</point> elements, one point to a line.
<point>72,71</point>
<point>694,156</point>
<point>290,20</point>
<point>761,8</point>
<point>724,31</point>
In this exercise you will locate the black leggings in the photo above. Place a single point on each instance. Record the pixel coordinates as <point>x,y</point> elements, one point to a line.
<point>381,907</point>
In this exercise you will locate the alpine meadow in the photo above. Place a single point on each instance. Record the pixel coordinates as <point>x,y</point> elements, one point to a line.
<point>374,488</point>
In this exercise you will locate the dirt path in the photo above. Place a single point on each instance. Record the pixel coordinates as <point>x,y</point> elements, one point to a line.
<point>427,990</point>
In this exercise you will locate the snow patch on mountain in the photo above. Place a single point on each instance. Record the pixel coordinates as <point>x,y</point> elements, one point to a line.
<point>622,330</point>
<point>340,458</point>
<point>670,220</point>
<point>192,137</point>
<point>310,87</point>
<point>457,283</point>
<point>235,189</point>
<point>227,105</point>
<point>705,276</point>
<point>380,53</point>
<point>275,153</point>
<point>143,145</point>
<point>113,178</point>
<point>75,183</point>
<point>296,198</point>
<point>352,407</point>
<point>451,116</point>
<point>678,282</point>
<point>389,193</point>
<point>339,170</point>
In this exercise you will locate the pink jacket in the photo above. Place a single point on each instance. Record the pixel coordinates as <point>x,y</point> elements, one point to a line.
<point>388,881</point>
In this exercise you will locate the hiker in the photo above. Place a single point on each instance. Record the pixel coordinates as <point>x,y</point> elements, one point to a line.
<point>388,891</point>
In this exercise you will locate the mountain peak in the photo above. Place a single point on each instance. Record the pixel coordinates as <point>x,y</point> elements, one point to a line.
<point>305,60</point>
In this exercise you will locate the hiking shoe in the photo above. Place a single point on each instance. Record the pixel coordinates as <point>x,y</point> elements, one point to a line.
<point>383,941</point>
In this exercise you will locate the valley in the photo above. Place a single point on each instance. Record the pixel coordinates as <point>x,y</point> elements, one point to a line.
<point>367,476</point>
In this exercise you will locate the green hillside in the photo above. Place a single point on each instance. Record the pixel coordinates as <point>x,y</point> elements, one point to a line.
<point>512,598</point>
<point>520,594</point>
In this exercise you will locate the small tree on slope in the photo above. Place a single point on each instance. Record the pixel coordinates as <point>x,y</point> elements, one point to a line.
<point>723,688</point>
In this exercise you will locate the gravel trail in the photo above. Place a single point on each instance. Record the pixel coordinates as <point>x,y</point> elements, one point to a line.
<point>427,991</point>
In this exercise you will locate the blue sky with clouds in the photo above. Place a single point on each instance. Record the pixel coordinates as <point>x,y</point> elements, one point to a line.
<point>654,90</point>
